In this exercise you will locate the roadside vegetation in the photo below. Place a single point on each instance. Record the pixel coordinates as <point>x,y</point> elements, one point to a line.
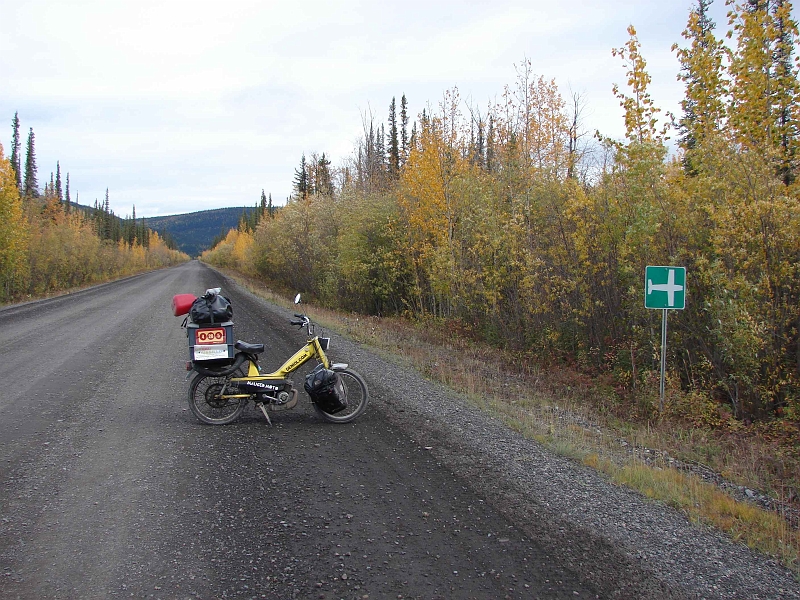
<point>742,481</point>
<point>48,243</point>
<point>512,233</point>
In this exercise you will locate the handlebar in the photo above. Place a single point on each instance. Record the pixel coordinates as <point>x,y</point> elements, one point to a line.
<point>303,322</point>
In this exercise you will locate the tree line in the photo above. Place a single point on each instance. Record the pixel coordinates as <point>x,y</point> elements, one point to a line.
<point>50,243</point>
<point>517,224</point>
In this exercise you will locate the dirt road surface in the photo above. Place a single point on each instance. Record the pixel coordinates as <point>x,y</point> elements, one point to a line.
<point>110,488</point>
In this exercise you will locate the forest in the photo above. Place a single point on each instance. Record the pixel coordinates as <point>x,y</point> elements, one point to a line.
<point>50,243</point>
<point>515,225</point>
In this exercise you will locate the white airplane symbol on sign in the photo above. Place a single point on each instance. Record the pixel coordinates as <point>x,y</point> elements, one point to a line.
<point>670,287</point>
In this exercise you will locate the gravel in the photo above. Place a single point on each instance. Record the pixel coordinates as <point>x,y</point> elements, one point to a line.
<point>576,508</point>
<point>111,489</point>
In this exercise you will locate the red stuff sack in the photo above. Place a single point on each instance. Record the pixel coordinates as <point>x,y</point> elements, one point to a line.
<point>181,303</point>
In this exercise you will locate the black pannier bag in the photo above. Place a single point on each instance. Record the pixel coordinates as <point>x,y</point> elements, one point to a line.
<point>326,390</point>
<point>215,309</point>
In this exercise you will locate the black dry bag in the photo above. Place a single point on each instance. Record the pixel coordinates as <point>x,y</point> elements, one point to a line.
<point>326,390</point>
<point>211,309</point>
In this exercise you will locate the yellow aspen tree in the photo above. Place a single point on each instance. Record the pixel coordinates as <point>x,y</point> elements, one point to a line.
<point>13,232</point>
<point>640,112</point>
<point>241,251</point>
<point>765,94</point>
<point>432,207</point>
<point>750,109</point>
<point>706,88</point>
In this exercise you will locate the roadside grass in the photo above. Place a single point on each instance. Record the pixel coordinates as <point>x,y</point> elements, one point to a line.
<point>574,415</point>
<point>704,503</point>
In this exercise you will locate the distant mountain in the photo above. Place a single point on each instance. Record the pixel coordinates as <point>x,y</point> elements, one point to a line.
<point>194,232</point>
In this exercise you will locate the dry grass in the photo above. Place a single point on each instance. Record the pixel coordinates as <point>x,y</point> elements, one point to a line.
<point>704,503</point>
<point>572,414</point>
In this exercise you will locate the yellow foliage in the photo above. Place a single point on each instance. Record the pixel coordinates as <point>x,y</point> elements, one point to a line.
<point>234,252</point>
<point>13,233</point>
<point>532,123</point>
<point>487,225</point>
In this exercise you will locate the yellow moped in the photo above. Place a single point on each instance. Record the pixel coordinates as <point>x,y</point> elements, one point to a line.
<point>219,394</point>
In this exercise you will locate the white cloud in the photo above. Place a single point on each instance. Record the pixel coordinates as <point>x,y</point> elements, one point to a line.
<point>185,105</point>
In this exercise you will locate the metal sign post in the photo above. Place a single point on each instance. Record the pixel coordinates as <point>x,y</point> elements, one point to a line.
<point>663,358</point>
<point>665,290</point>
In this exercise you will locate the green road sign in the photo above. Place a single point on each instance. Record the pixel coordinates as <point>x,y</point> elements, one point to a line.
<point>665,287</point>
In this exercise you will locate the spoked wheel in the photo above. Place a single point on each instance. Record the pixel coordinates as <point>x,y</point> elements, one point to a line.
<point>356,396</point>
<point>207,403</point>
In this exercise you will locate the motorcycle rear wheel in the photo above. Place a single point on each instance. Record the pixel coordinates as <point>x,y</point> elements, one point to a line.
<point>207,405</point>
<point>356,395</point>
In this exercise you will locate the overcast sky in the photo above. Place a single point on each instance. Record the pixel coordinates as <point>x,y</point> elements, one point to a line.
<point>179,106</point>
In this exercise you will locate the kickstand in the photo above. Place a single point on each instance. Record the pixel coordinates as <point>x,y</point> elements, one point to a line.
<point>264,410</point>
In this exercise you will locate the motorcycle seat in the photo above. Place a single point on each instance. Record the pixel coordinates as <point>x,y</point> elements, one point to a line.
<point>252,348</point>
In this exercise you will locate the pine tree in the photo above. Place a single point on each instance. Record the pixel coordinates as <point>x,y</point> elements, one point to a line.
<point>324,179</point>
<point>97,217</point>
<point>403,130</point>
<point>107,225</point>
<point>380,153</point>
<point>15,152</point>
<point>67,201</point>
<point>477,146</point>
<point>244,222</point>
<point>59,191</point>
<point>301,179</point>
<point>490,146</point>
<point>370,157</point>
<point>393,143</point>
<point>52,210</point>
<point>133,234</point>
<point>270,208</point>
<point>31,186</point>
<point>786,101</point>
<point>145,234</point>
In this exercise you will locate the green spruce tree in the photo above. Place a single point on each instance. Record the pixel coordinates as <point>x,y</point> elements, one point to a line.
<point>786,95</point>
<point>67,201</point>
<point>324,177</point>
<point>403,130</point>
<point>107,224</point>
<point>59,191</point>
<point>15,152</point>
<point>301,180</point>
<point>393,142</point>
<point>31,186</point>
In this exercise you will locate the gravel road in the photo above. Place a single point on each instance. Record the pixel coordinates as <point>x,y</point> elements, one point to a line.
<point>111,488</point>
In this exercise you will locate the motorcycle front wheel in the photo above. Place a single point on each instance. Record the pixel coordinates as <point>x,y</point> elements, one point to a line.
<point>356,396</point>
<point>207,403</point>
